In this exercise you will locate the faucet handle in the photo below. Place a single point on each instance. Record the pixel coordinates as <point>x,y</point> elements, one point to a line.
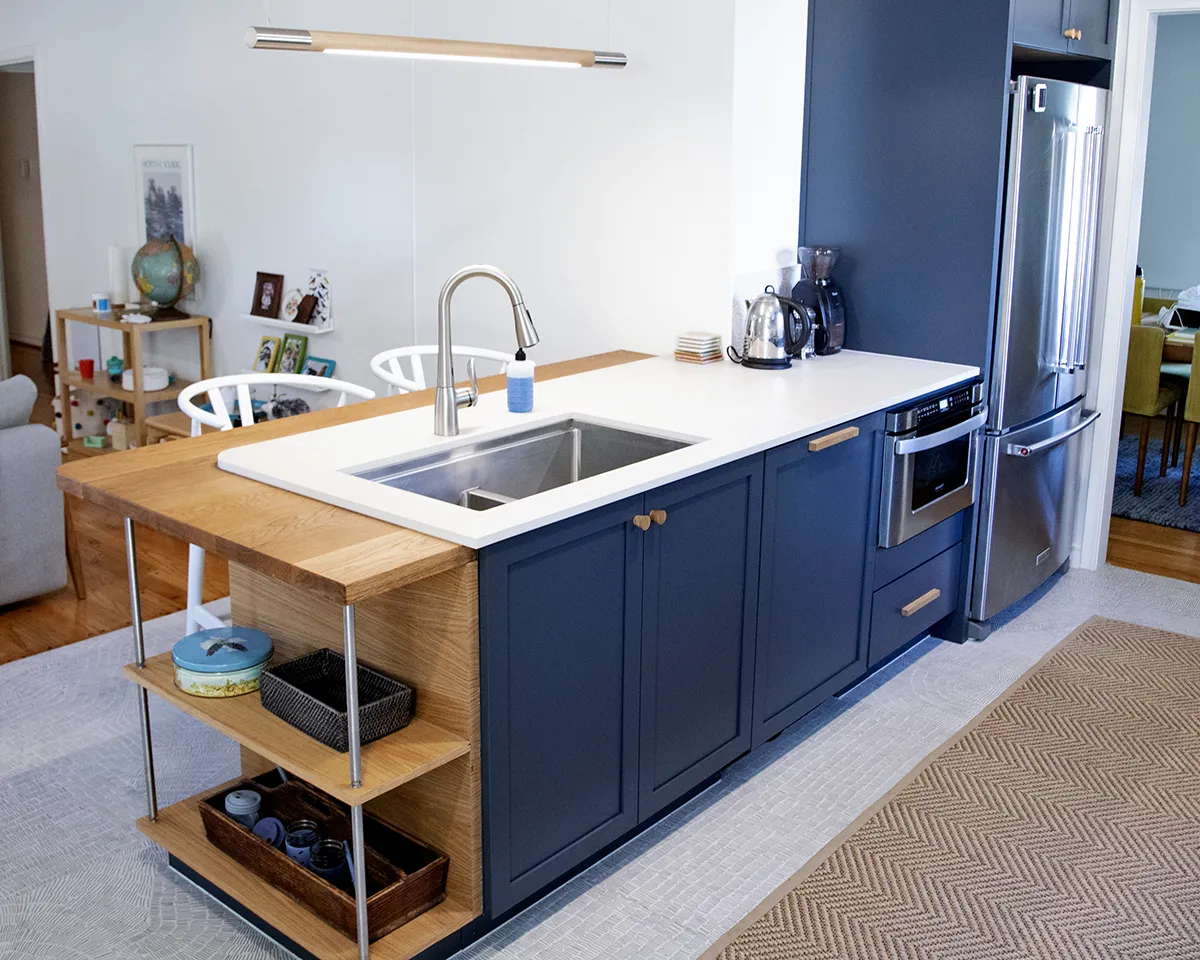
<point>468,396</point>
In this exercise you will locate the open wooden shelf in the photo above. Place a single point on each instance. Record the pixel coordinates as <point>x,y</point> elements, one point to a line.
<point>403,756</point>
<point>180,831</point>
<point>101,386</point>
<point>76,449</point>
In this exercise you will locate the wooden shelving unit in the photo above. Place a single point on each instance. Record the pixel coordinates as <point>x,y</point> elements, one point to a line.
<point>180,831</point>
<point>424,779</point>
<point>387,763</point>
<point>133,347</point>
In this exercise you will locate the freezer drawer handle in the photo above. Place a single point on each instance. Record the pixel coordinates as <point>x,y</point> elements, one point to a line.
<point>920,444</point>
<point>1020,450</point>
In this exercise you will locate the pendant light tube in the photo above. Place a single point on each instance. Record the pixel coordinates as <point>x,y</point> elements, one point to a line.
<point>425,48</point>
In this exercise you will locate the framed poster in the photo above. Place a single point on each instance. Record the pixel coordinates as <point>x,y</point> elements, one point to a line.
<point>166,201</point>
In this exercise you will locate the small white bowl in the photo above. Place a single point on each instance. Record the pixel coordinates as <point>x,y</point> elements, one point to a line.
<point>153,378</point>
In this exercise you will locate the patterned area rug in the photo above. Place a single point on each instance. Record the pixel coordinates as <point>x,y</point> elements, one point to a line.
<point>1064,822</point>
<point>1159,502</point>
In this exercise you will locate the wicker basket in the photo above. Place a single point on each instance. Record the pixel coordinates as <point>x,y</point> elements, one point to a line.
<point>405,877</point>
<point>310,694</point>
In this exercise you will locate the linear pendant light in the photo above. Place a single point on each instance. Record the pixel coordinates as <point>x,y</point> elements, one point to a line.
<point>425,48</point>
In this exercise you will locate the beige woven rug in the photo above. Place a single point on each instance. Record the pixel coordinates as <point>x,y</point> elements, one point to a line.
<point>1063,822</point>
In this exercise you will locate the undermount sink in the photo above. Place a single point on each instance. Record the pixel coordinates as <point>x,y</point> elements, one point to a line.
<point>488,473</point>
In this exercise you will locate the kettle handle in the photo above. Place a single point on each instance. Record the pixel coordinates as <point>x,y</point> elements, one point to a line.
<point>795,340</point>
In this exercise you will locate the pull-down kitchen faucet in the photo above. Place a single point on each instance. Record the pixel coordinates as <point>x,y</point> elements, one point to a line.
<point>447,399</point>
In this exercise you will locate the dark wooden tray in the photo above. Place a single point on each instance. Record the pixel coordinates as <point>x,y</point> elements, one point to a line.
<point>404,876</point>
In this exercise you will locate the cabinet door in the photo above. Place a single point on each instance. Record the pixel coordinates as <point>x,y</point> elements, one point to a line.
<point>1039,23</point>
<point>1096,20</point>
<point>822,510</point>
<point>560,626</point>
<point>699,598</point>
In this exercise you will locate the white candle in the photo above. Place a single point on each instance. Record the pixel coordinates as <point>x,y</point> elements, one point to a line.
<point>118,275</point>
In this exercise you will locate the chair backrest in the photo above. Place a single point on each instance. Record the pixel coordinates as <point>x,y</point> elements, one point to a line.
<point>219,416</point>
<point>1142,370</point>
<point>387,366</point>
<point>1191,406</point>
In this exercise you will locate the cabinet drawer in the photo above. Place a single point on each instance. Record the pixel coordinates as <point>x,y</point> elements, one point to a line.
<point>894,562</point>
<point>909,606</point>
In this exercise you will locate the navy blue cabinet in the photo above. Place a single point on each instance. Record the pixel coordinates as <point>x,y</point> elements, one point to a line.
<point>1081,27</point>
<point>821,505</point>
<point>699,601</point>
<point>560,639</point>
<point>616,670</point>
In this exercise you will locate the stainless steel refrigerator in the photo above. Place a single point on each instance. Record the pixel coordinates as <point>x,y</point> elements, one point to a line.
<point>1037,423</point>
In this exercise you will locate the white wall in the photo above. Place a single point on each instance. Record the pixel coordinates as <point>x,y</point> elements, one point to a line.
<point>621,201</point>
<point>1169,248</point>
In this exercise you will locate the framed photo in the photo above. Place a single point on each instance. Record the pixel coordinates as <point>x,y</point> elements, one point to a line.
<point>319,366</point>
<point>291,360</point>
<point>268,355</point>
<point>305,308</point>
<point>165,193</point>
<point>268,295</point>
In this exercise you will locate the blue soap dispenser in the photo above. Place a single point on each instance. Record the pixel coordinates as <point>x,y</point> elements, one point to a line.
<point>520,384</point>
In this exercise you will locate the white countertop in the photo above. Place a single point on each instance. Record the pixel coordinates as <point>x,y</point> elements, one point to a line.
<point>732,412</point>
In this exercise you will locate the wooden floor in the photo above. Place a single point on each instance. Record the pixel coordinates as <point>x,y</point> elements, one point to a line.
<point>1153,549</point>
<point>1165,551</point>
<point>59,618</point>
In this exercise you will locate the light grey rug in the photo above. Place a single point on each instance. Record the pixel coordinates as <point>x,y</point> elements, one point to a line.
<point>78,882</point>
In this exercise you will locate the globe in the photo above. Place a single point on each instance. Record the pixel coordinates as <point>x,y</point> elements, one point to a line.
<point>165,271</point>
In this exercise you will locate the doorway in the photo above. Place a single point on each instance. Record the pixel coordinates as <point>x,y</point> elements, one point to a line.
<point>1155,523</point>
<point>24,294</point>
<point>1155,548</point>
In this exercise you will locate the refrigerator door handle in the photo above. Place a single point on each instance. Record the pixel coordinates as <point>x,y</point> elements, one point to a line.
<point>1095,140</point>
<point>1073,158</point>
<point>1021,450</point>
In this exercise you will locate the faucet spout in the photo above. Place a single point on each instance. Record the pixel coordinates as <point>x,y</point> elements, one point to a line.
<point>447,399</point>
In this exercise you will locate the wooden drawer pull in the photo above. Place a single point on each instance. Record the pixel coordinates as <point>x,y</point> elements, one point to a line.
<point>658,516</point>
<point>832,439</point>
<point>920,603</point>
<point>641,521</point>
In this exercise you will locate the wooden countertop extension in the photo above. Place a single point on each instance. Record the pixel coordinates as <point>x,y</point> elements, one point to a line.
<point>178,489</point>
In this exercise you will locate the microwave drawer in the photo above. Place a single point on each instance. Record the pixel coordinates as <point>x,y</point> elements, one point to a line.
<point>906,608</point>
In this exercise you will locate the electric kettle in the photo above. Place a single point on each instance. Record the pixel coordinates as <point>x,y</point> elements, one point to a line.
<point>777,329</point>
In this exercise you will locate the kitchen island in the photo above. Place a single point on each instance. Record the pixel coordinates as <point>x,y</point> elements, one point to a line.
<point>623,665</point>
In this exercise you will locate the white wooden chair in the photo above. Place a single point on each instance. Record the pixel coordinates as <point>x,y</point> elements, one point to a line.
<point>387,367</point>
<point>198,617</point>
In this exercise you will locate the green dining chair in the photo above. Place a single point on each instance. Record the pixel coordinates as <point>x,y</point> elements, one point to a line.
<point>1148,395</point>
<point>1191,416</point>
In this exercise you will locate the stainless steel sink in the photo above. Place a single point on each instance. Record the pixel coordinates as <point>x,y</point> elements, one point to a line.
<point>489,473</point>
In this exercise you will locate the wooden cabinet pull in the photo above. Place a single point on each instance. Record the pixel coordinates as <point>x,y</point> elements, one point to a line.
<point>658,516</point>
<point>832,439</point>
<point>920,603</point>
<point>641,521</point>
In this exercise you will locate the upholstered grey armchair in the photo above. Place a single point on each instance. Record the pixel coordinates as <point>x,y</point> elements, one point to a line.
<point>32,539</point>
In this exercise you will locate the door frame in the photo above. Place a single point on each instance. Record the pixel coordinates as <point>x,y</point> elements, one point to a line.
<point>1125,170</point>
<point>15,55</point>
